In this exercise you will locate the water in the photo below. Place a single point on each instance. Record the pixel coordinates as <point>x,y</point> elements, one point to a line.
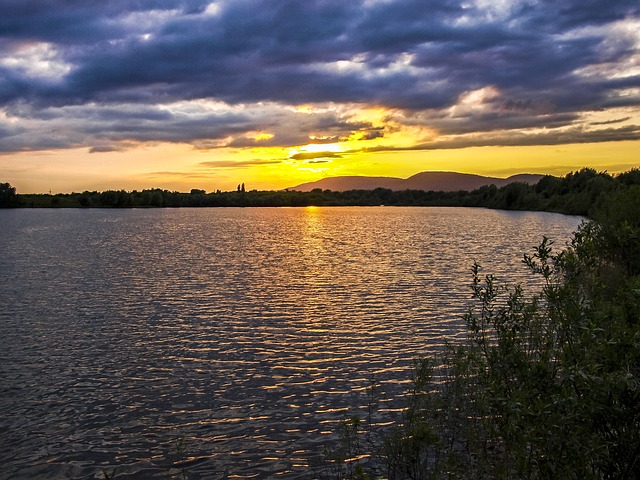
<point>225,342</point>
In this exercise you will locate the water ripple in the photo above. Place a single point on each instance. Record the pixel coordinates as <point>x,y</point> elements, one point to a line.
<point>225,343</point>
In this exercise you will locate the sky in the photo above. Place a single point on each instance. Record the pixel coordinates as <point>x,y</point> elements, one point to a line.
<point>123,94</point>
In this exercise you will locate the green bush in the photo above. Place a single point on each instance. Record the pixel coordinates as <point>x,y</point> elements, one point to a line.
<point>546,385</point>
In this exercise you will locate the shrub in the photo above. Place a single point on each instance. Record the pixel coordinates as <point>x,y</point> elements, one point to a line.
<point>544,386</point>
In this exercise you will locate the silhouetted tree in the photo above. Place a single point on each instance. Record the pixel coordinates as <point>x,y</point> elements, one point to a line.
<point>8,197</point>
<point>548,186</point>
<point>84,199</point>
<point>632,177</point>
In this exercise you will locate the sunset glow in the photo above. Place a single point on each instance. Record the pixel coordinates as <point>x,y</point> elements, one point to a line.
<point>211,94</point>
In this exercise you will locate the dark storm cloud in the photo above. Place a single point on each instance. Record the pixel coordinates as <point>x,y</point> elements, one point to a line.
<point>314,155</point>
<point>96,73</point>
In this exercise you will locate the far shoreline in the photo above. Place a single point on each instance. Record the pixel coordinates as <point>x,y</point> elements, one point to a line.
<point>575,194</point>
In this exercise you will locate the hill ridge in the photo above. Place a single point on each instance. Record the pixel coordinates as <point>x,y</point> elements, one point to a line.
<point>431,180</point>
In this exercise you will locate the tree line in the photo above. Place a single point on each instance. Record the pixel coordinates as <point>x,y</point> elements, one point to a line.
<point>575,193</point>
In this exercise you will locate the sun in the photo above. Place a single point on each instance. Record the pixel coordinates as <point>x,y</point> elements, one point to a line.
<point>321,147</point>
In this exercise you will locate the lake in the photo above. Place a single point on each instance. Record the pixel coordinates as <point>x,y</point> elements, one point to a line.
<point>226,343</point>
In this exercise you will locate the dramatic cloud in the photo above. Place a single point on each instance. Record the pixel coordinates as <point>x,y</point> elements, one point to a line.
<point>315,155</point>
<point>263,73</point>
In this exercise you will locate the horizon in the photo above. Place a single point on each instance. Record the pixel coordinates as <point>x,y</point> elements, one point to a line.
<point>307,184</point>
<point>293,187</point>
<point>203,94</point>
<point>231,186</point>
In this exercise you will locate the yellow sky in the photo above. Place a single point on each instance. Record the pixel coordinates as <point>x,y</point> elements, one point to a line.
<point>181,167</point>
<point>373,88</point>
<point>371,141</point>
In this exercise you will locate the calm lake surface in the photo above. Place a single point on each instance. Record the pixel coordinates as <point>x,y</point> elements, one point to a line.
<point>226,342</point>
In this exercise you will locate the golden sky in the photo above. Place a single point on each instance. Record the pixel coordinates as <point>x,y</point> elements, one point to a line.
<point>179,167</point>
<point>210,94</point>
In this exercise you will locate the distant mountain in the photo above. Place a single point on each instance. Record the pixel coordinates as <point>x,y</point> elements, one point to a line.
<point>436,181</point>
<point>340,184</point>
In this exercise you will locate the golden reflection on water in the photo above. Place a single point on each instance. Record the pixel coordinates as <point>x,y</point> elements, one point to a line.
<point>311,243</point>
<point>250,332</point>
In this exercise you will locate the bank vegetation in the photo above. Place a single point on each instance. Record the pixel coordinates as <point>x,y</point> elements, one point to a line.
<point>575,194</point>
<point>545,385</point>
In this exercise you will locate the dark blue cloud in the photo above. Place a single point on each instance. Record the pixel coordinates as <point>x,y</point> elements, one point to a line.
<point>119,60</point>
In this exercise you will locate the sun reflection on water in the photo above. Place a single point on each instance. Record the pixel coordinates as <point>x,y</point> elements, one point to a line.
<point>250,332</point>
